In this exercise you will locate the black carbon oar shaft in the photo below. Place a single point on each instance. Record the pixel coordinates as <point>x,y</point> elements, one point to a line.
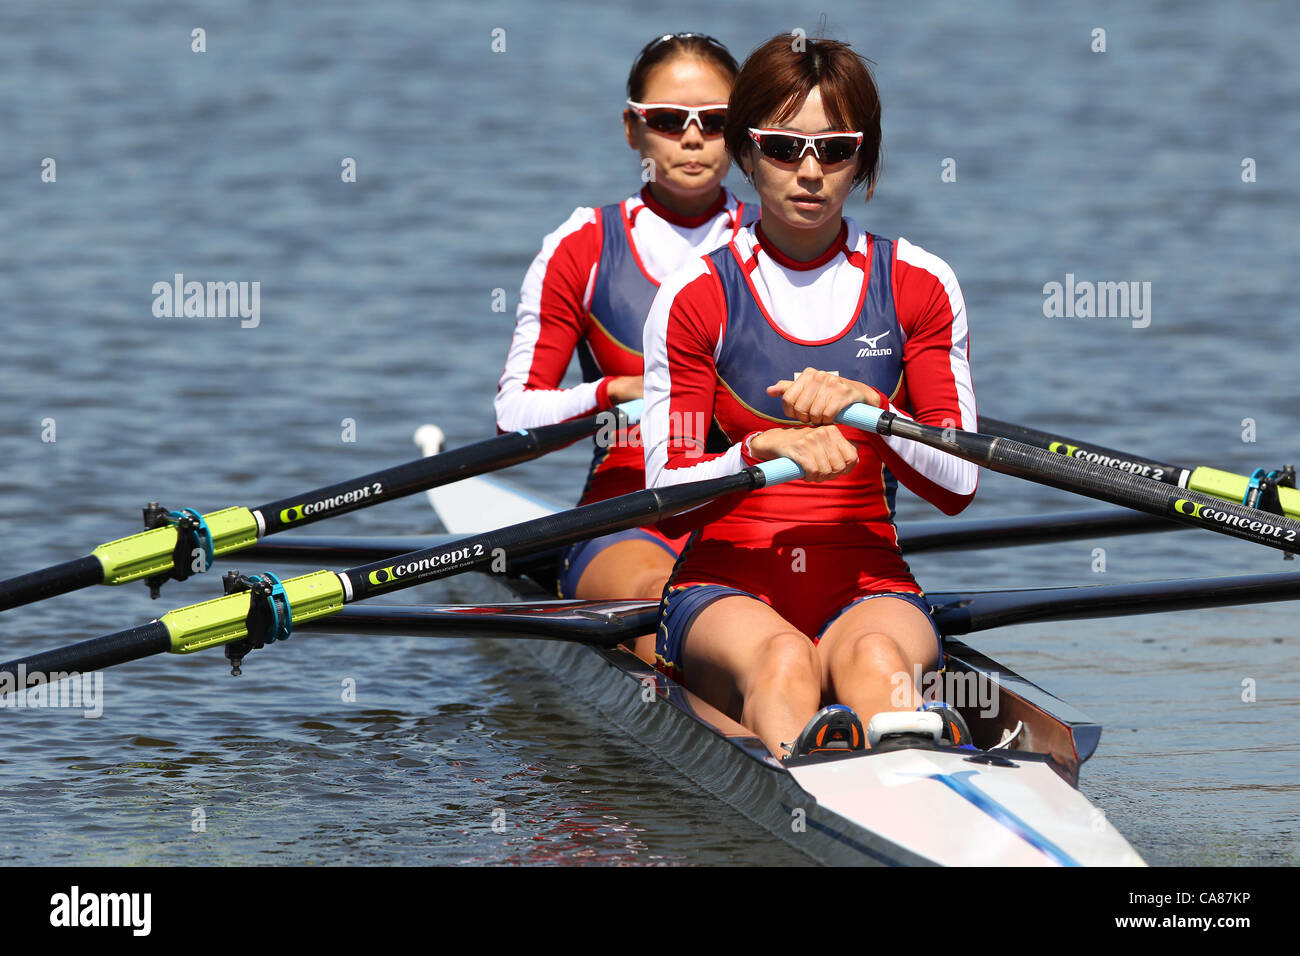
<point>1096,481</point>
<point>444,468</point>
<point>150,554</point>
<point>92,655</point>
<point>541,534</point>
<point>222,620</point>
<point>52,581</point>
<point>1097,454</point>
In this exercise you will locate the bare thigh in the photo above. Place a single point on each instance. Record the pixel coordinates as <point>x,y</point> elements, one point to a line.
<point>727,642</point>
<point>628,569</point>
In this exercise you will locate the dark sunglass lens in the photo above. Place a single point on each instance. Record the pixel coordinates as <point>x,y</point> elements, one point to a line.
<point>781,148</point>
<point>665,121</point>
<point>838,150</point>
<point>714,121</point>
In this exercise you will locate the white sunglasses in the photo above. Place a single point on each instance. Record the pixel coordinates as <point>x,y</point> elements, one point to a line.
<point>671,118</point>
<point>785,146</point>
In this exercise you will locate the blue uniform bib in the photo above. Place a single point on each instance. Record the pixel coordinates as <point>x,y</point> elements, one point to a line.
<point>623,293</point>
<point>754,354</point>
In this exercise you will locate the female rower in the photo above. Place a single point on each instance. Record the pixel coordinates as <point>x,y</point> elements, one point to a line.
<point>590,287</point>
<point>799,594</point>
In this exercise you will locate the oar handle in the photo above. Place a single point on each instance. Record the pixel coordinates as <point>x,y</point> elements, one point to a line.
<point>861,415</point>
<point>857,415</point>
<point>778,470</point>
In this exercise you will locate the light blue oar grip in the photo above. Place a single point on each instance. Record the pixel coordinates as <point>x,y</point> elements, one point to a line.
<point>779,470</point>
<point>860,416</point>
<point>632,410</point>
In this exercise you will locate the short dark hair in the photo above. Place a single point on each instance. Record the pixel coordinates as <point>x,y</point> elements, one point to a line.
<point>778,76</point>
<point>672,45</point>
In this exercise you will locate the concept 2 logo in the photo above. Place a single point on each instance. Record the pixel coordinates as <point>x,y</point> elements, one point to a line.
<point>298,512</point>
<point>395,573</point>
<point>1119,464</point>
<point>1211,515</point>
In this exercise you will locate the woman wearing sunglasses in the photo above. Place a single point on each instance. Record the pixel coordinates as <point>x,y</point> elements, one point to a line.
<point>798,595</point>
<point>590,287</point>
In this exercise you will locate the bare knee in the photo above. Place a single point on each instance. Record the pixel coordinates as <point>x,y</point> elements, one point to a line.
<point>875,654</point>
<point>788,659</point>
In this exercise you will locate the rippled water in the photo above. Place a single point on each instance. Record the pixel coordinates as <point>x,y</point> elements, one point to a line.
<point>376,307</point>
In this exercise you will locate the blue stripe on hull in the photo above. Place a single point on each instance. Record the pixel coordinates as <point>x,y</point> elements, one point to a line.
<point>965,789</point>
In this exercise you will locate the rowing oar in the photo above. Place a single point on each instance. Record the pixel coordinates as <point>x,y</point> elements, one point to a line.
<point>186,542</point>
<point>268,609</point>
<point>609,623</point>
<point>939,534</point>
<point>1085,478</point>
<point>1210,481</point>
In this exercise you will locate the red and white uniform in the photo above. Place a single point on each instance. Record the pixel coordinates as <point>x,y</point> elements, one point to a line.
<point>731,323</point>
<point>588,291</point>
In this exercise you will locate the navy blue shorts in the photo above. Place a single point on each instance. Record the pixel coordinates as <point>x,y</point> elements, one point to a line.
<point>576,558</point>
<point>681,606</point>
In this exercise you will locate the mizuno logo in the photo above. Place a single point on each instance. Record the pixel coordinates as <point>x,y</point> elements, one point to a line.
<point>871,340</point>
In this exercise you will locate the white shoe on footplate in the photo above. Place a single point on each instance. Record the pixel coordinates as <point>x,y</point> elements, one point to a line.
<point>904,723</point>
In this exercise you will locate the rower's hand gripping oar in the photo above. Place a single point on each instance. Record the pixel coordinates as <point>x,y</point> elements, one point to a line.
<point>1085,478</point>
<point>180,543</point>
<point>268,608</point>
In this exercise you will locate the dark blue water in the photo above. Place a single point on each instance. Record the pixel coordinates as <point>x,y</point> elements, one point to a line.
<point>376,307</point>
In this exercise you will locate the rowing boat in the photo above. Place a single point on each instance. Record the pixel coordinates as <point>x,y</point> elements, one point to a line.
<point>1014,802</point>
